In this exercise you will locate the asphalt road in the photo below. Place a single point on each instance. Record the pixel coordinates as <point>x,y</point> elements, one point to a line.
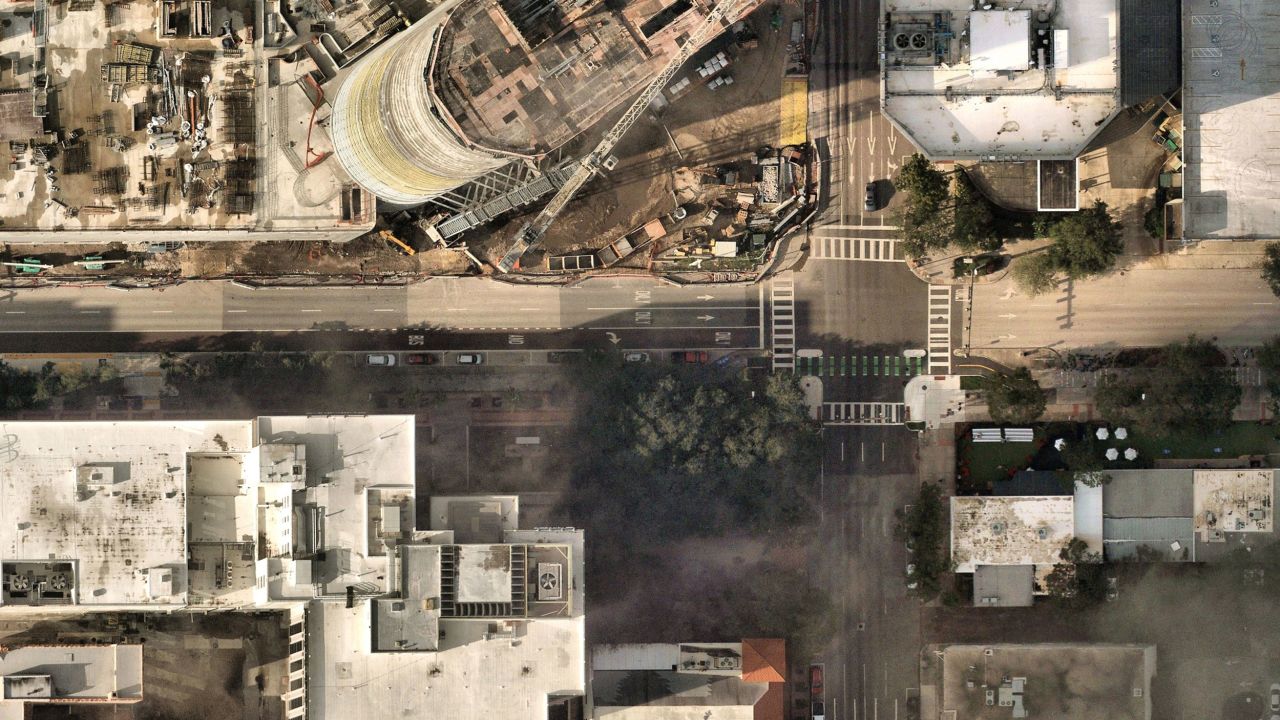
<point>1140,307</point>
<point>855,301</point>
<point>452,313</point>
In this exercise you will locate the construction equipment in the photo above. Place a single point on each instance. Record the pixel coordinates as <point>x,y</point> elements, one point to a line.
<point>404,247</point>
<point>599,158</point>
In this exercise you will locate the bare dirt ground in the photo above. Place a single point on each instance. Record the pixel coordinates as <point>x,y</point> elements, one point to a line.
<point>707,127</point>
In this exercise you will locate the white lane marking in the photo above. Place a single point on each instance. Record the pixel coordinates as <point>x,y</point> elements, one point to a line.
<point>15,312</point>
<point>237,311</point>
<point>90,312</point>
<point>162,312</point>
<point>384,310</point>
<point>308,310</point>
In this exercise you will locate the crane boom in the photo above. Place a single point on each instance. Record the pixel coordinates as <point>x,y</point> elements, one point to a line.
<point>531,232</point>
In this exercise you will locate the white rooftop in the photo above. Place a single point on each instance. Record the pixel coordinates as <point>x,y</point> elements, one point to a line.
<point>1231,101</point>
<point>1000,39</point>
<point>1233,501</point>
<point>1008,530</point>
<point>496,678</point>
<point>979,97</point>
<point>116,525</point>
<point>78,673</point>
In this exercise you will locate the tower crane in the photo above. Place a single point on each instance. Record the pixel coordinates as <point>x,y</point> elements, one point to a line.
<point>531,232</point>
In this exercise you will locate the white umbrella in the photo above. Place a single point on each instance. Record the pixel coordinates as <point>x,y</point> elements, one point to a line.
<point>1130,454</point>
<point>1059,444</point>
<point>1112,453</point>
<point>1121,433</point>
<point>1102,433</point>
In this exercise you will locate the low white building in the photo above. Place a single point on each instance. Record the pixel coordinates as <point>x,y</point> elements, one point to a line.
<point>313,516</point>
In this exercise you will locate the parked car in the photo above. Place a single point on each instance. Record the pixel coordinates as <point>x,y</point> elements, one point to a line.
<point>869,198</point>
<point>636,357</point>
<point>380,360</point>
<point>471,359</point>
<point>911,576</point>
<point>690,356</point>
<point>1113,589</point>
<point>1275,697</point>
<point>421,359</point>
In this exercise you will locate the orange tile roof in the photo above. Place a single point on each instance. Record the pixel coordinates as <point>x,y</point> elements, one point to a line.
<point>773,705</point>
<point>764,660</point>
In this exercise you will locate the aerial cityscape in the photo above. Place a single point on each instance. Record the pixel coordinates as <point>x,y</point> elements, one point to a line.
<point>639,360</point>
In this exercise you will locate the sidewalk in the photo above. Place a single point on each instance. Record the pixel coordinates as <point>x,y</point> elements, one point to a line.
<point>937,269</point>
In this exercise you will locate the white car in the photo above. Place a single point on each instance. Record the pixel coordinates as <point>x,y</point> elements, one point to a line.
<point>911,576</point>
<point>636,357</point>
<point>1275,697</point>
<point>471,359</point>
<point>380,360</point>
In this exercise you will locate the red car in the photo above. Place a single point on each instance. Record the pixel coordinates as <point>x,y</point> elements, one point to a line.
<point>690,356</point>
<point>420,359</point>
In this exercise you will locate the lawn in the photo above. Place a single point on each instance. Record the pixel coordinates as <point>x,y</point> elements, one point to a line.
<point>1242,438</point>
<point>981,465</point>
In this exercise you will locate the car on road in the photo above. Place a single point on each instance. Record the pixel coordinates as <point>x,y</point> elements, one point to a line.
<point>421,359</point>
<point>690,356</point>
<point>471,359</point>
<point>911,576</point>
<point>1275,697</point>
<point>380,360</point>
<point>869,202</point>
<point>636,357</point>
<point>1113,589</point>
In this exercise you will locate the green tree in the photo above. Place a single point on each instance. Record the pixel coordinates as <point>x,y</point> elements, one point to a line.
<point>1269,362</point>
<point>923,527</point>
<point>974,222</point>
<point>1013,397</point>
<point>1189,390</point>
<point>925,217</point>
<point>1087,242</point>
<point>1035,274</point>
<point>1077,581</point>
<point>17,388</point>
<point>1271,267</point>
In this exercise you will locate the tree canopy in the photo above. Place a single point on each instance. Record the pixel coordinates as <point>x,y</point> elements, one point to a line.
<point>931,217</point>
<point>666,454</point>
<point>1087,242</point>
<point>1269,364</point>
<point>973,220</point>
<point>1188,390</point>
<point>1035,274</point>
<point>923,527</point>
<point>1013,397</point>
<point>1271,267</point>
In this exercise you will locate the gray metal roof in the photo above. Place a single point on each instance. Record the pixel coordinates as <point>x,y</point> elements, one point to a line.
<point>1148,494</point>
<point>412,621</point>
<point>1003,585</point>
<point>1123,536</point>
<point>1150,48</point>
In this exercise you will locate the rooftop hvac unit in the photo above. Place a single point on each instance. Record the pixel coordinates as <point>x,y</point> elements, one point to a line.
<point>550,581</point>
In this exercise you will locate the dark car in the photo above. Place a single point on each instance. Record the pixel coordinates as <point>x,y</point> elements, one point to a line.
<point>420,359</point>
<point>869,198</point>
<point>690,356</point>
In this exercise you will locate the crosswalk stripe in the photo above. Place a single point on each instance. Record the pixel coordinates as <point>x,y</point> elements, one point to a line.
<point>865,249</point>
<point>939,329</point>
<point>864,413</point>
<point>782,321</point>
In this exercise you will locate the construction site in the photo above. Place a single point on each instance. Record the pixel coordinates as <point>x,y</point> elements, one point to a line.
<point>139,132</point>
<point>162,121</point>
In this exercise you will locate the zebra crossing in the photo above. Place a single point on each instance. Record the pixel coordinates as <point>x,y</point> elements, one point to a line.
<point>860,366</point>
<point>939,330</point>
<point>830,247</point>
<point>782,321</point>
<point>864,413</point>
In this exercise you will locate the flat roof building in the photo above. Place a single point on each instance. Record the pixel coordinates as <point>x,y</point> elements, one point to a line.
<point>1000,81</point>
<point>166,121</point>
<point>473,618</point>
<point>1062,681</point>
<point>68,675</point>
<point>689,681</point>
